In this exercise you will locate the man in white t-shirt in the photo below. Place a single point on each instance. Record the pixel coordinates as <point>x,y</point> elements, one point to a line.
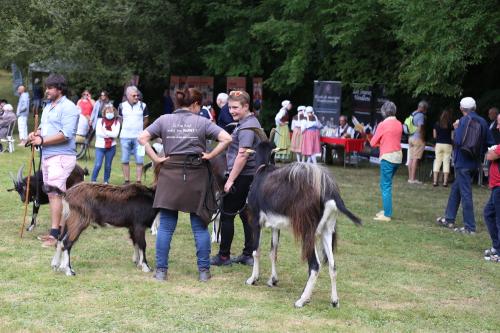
<point>134,116</point>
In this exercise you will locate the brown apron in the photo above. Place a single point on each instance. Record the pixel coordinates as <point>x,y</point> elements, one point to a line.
<point>185,184</point>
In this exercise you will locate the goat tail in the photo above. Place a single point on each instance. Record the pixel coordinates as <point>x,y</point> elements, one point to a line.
<point>331,189</point>
<point>342,208</point>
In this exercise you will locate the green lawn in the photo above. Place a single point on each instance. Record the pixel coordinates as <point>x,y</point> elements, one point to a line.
<point>406,275</point>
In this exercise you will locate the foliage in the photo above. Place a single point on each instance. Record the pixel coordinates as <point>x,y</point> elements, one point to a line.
<point>96,43</point>
<point>411,47</point>
<point>419,47</point>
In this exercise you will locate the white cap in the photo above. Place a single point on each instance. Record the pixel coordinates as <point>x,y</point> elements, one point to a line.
<point>309,109</point>
<point>8,107</point>
<point>468,103</point>
<point>285,103</point>
<point>301,108</point>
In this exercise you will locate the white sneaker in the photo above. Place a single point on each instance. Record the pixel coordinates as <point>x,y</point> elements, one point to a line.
<point>382,218</point>
<point>381,213</point>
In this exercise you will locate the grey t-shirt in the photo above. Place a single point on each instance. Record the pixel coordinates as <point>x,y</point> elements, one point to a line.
<point>244,138</point>
<point>183,132</point>
<point>418,120</point>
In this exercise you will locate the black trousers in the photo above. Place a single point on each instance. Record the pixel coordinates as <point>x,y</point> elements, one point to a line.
<point>232,203</point>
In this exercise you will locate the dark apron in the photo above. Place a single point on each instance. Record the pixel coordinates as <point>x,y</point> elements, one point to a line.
<point>185,184</point>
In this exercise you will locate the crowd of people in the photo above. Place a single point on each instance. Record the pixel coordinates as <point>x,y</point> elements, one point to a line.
<point>185,132</point>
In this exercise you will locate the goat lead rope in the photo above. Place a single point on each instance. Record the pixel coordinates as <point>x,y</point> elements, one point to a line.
<point>26,199</point>
<point>37,174</point>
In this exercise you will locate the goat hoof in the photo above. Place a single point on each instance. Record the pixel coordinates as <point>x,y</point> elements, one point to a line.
<point>30,228</point>
<point>145,268</point>
<point>300,303</point>
<point>336,304</point>
<point>70,272</point>
<point>272,282</point>
<point>251,281</point>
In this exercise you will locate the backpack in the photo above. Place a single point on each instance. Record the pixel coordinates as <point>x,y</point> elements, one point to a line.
<point>471,144</point>
<point>408,126</point>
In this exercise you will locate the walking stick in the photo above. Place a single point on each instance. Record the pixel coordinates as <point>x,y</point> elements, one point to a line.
<point>31,162</point>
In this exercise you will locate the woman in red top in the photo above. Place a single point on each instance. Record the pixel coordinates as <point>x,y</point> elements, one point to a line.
<point>86,104</point>
<point>388,138</point>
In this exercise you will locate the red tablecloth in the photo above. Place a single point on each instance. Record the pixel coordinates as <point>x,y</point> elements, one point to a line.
<point>350,145</point>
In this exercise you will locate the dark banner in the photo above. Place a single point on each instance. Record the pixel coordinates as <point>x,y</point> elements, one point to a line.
<point>380,99</point>
<point>17,78</point>
<point>236,83</point>
<point>362,105</point>
<point>257,90</point>
<point>327,101</point>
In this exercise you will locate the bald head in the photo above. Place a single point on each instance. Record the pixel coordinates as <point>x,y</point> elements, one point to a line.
<point>21,89</point>
<point>342,120</point>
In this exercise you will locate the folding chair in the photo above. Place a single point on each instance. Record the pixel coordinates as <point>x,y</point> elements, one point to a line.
<point>9,138</point>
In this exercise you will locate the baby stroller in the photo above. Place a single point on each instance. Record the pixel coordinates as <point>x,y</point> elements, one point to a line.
<point>84,137</point>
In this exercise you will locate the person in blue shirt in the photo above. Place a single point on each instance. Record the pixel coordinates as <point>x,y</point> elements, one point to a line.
<point>224,117</point>
<point>465,166</point>
<point>56,137</point>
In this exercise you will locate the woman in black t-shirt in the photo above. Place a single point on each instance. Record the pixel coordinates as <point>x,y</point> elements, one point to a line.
<point>442,133</point>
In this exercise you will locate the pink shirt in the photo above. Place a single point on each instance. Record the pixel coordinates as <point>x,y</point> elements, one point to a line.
<point>388,136</point>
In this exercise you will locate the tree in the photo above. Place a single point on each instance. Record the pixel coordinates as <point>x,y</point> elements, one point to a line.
<point>96,43</point>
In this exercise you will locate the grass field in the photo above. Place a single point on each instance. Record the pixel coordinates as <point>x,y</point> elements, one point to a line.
<point>404,276</point>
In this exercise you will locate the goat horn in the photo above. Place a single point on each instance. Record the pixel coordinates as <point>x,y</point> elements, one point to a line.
<point>259,132</point>
<point>12,176</point>
<point>272,134</point>
<point>20,174</point>
<point>276,150</point>
<point>250,151</point>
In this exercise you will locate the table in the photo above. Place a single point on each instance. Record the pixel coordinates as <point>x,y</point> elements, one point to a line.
<point>350,145</point>
<point>424,170</point>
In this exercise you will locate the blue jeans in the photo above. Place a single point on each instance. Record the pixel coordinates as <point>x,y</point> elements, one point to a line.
<point>168,222</point>
<point>492,217</point>
<point>387,171</point>
<point>461,191</point>
<point>107,154</point>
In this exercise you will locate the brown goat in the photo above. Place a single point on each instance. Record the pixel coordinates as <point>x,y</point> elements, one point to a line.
<point>128,206</point>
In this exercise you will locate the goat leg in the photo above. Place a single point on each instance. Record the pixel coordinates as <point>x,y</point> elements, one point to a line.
<point>215,237</point>
<point>256,257</point>
<point>139,239</point>
<point>36,207</point>
<point>328,248</point>
<point>135,256</point>
<point>273,255</point>
<point>56,260</point>
<point>65,266</point>
<point>314,266</point>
